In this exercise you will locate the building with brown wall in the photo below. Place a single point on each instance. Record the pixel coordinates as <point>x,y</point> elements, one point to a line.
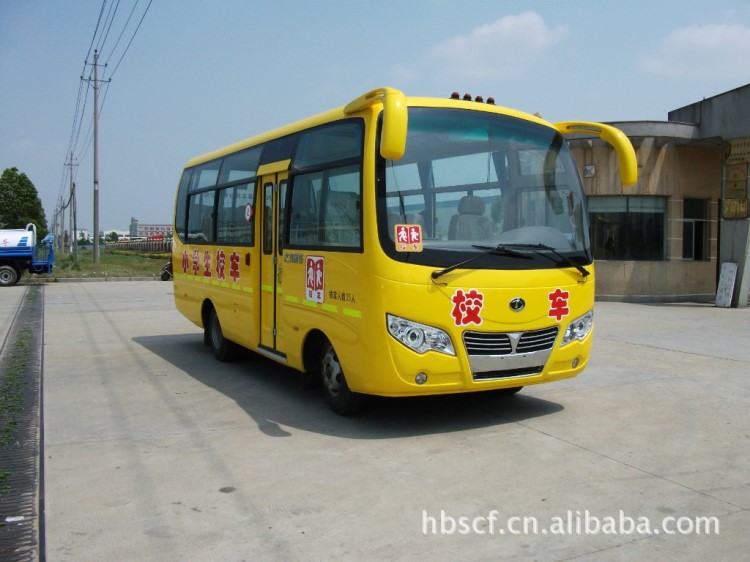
<point>666,237</point>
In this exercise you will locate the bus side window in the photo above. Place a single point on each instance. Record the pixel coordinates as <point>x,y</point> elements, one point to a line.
<point>342,222</point>
<point>181,207</point>
<point>200,217</point>
<point>282,213</point>
<point>303,209</point>
<point>235,220</point>
<point>267,218</point>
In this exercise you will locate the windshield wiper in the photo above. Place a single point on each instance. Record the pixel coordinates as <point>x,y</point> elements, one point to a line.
<point>499,250</point>
<point>542,248</point>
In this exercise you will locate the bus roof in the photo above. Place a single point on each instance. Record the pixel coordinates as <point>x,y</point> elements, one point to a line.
<point>362,104</point>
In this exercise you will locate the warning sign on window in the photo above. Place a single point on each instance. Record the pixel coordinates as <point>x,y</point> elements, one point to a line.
<point>408,237</point>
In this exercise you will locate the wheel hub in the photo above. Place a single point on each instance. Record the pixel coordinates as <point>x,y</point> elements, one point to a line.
<point>331,371</point>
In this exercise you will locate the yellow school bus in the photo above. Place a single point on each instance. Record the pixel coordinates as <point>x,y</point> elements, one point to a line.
<point>395,246</point>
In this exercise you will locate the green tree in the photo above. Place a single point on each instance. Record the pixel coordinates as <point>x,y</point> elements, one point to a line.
<point>20,203</point>
<point>112,237</point>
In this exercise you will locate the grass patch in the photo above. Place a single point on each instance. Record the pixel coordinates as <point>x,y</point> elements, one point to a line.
<point>112,263</point>
<point>12,387</point>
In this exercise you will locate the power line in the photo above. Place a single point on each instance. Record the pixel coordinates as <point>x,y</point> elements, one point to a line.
<point>108,23</point>
<point>124,27</point>
<point>98,21</point>
<point>78,146</point>
<point>131,38</point>
<point>78,117</point>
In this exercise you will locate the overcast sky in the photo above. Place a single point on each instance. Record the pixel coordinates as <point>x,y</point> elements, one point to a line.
<point>202,74</point>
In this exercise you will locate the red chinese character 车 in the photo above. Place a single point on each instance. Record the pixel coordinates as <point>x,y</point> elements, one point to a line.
<point>234,266</point>
<point>558,304</point>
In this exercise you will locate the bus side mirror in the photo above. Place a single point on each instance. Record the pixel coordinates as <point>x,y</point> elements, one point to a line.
<point>612,135</point>
<point>395,119</point>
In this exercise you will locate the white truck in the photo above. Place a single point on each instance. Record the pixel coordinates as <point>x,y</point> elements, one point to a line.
<point>19,252</point>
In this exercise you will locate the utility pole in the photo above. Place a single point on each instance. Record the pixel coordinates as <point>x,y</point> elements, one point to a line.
<point>72,204</point>
<point>62,225</point>
<point>96,159</point>
<point>96,154</point>
<point>55,224</point>
<point>75,223</point>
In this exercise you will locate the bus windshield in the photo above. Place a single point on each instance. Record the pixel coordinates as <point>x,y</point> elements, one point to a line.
<point>471,180</point>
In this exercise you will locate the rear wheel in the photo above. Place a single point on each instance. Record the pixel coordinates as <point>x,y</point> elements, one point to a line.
<point>8,276</point>
<point>223,349</point>
<point>341,400</point>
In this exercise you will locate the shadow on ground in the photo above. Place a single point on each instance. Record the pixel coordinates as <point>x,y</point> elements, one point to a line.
<point>273,396</point>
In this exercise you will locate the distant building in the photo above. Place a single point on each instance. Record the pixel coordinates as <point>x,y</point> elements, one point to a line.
<point>667,236</point>
<point>138,230</point>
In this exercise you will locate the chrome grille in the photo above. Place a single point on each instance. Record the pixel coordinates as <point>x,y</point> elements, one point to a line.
<point>486,343</point>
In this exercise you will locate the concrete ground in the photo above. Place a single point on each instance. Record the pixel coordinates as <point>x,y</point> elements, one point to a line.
<point>155,451</point>
<point>10,300</point>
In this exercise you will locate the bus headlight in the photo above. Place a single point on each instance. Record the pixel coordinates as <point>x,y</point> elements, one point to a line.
<point>419,337</point>
<point>579,328</point>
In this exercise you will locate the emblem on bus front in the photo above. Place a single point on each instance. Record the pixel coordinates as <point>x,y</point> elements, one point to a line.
<point>517,304</point>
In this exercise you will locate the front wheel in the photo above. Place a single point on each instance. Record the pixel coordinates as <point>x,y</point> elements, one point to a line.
<point>8,276</point>
<point>341,400</point>
<point>223,349</point>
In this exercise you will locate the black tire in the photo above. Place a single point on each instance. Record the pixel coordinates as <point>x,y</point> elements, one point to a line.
<point>223,349</point>
<point>8,276</point>
<point>508,391</point>
<point>310,380</point>
<point>166,276</point>
<point>341,400</point>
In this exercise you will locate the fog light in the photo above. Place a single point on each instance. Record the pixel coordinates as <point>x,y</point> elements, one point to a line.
<point>421,378</point>
<point>575,362</point>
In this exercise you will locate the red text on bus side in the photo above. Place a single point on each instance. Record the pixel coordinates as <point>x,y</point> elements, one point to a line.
<point>207,263</point>
<point>196,262</point>
<point>234,266</point>
<point>221,260</point>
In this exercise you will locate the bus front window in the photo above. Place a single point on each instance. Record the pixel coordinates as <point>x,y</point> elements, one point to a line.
<point>472,178</point>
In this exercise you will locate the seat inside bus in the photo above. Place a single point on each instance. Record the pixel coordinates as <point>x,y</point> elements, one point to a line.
<point>470,223</point>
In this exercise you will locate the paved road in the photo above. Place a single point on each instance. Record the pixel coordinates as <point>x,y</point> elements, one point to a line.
<point>10,301</point>
<point>154,451</point>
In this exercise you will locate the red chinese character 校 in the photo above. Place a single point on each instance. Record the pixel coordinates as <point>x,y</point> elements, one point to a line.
<point>467,307</point>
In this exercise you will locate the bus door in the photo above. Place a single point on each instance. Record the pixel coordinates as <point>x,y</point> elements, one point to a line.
<point>273,180</point>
